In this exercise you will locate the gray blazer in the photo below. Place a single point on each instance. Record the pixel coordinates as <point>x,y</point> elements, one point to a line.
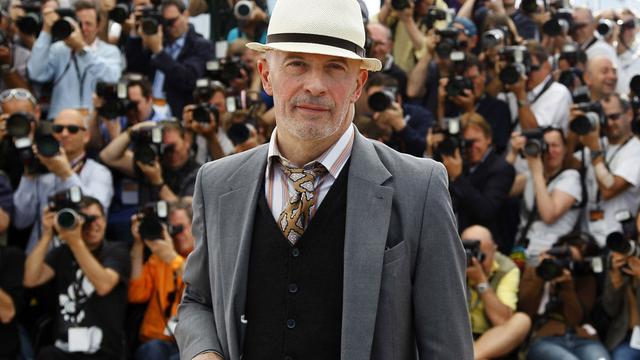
<point>406,302</point>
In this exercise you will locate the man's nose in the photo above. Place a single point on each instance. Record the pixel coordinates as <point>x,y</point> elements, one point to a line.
<point>315,83</point>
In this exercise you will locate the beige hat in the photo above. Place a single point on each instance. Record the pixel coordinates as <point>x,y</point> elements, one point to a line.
<point>327,27</point>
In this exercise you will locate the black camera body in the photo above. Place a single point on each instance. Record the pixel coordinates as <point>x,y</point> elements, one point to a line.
<point>120,12</point>
<point>518,62</point>
<point>472,250</point>
<point>31,22</point>
<point>382,100</point>
<point>560,23</point>
<point>63,27</point>
<point>552,268</point>
<point>150,20</point>
<point>201,113</point>
<point>148,144</point>
<point>19,128</point>
<point>66,204</point>
<point>535,145</point>
<point>153,215</point>
<point>435,14</point>
<point>448,42</point>
<point>226,70</point>
<point>604,28</point>
<point>495,37</point>
<point>453,139</point>
<point>457,84</point>
<point>593,114</point>
<point>115,99</point>
<point>400,5</point>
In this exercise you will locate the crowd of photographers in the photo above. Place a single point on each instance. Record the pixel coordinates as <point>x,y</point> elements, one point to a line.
<point>110,107</point>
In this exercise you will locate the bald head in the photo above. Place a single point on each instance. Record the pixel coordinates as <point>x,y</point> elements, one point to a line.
<point>73,134</point>
<point>477,232</point>
<point>584,25</point>
<point>382,40</point>
<point>601,77</point>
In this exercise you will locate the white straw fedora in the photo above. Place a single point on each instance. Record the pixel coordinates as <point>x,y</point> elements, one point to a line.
<point>327,27</point>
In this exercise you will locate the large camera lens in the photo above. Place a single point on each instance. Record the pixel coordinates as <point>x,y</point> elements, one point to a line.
<point>47,145</point>
<point>532,148</point>
<point>67,218</point>
<point>509,75</point>
<point>617,243</point>
<point>379,101</point>
<point>400,4</point>
<point>149,26</point>
<point>19,125</point>
<point>201,114</point>
<point>61,29</point>
<point>584,124</point>
<point>29,24</point>
<point>119,13</point>
<point>552,27</point>
<point>242,10</point>
<point>634,84</point>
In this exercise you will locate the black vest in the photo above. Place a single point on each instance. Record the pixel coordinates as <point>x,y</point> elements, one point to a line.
<point>294,293</point>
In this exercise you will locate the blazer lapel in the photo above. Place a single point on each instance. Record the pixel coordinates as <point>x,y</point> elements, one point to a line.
<point>367,223</point>
<point>235,221</point>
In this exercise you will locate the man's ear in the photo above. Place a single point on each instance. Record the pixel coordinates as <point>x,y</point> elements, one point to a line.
<point>265,75</point>
<point>361,79</point>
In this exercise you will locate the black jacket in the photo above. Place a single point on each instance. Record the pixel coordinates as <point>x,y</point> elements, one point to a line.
<point>478,197</point>
<point>180,75</point>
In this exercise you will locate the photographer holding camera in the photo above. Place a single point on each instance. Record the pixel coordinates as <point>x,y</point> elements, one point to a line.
<point>613,175</point>
<point>13,57</point>
<point>542,102</point>
<point>466,94</point>
<point>404,17</point>
<point>493,282</point>
<point>479,179</point>
<point>158,281</point>
<point>601,77</point>
<point>406,125</point>
<point>170,53</point>
<point>252,19</point>
<point>137,107</point>
<point>550,190</point>
<point>382,44</point>
<point>75,64</point>
<point>90,276</point>
<point>559,294</point>
<point>67,167</point>
<point>169,174</point>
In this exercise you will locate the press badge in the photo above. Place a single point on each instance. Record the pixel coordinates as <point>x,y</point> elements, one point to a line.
<point>170,329</point>
<point>79,339</point>
<point>635,338</point>
<point>596,215</point>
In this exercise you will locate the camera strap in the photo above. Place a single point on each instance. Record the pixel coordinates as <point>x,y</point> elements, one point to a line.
<point>590,44</point>
<point>531,217</point>
<point>607,163</point>
<point>546,87</point>
<point>81,76</point>
<point>66,68</point>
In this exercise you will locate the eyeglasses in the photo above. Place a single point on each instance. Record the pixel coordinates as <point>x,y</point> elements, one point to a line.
<point>73,129</point>
<point>18,94</point>
<point>614,116</point>
<point>169,22</point>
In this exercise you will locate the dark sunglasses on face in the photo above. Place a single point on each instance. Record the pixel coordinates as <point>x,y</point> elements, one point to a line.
<point>73,129</point>
<point>169,22</point>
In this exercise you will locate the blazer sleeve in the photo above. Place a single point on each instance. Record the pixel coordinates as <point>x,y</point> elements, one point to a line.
<point>442,323</point>
<point>182,74</point>
<point>196,330</point>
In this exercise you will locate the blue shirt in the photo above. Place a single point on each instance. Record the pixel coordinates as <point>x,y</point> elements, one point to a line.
<point>158,80</point>
<point>74,76</point>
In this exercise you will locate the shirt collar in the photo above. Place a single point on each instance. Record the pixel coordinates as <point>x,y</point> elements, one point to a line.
<point>536,90</point>
<point>333,159</point>
<point>388,62</point>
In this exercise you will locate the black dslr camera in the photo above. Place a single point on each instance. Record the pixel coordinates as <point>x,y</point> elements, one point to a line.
<point>552,268</point>
<point>593,114</point>
<point>472,250</point>
<point>449,43</point>
<point>63,27</point>
<point>120,12</point>
<point>202,93</point>
<point>115,99</point>
<point>382,100</point>
<point>623,241</point>
<point>453,140</point>
<point>495,37</point>
<point>399,5</point>
<point>19,128</point>
<point>435,14</point>
<point>226,70</point>
<point>535,145</point>
<point>150,20</point>
<point>153,215</point>
<point>560,23</point>
<point>148,144</point>
<point>66,204</point>
<point>31,22</point>
<point>518,62</point>
<point>457,84</point>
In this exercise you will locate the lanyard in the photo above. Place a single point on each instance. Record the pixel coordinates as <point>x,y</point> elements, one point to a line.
<point>546,87</point>
<point>607,163</point>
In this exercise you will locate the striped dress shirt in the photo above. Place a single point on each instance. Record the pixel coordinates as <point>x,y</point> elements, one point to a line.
<point>278,188</point>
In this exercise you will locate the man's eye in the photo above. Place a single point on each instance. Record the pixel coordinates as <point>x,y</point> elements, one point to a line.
<point>336,66</point>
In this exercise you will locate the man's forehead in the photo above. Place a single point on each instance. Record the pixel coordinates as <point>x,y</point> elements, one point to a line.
<point>68,118</point>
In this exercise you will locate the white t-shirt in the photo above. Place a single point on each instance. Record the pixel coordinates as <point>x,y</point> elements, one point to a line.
<point>625,164</point>
<point>542,236</point>
<point>552,107</point>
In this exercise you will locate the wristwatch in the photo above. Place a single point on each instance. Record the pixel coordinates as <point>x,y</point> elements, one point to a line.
<point>522,103</point>
<point>84,50</point>
<point>482,288</point>
<point>596,154</point>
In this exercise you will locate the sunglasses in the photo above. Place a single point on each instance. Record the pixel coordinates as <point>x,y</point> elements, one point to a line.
<point>169,22</point>
<point>18,94</point>
<point>614,116</point>
<point>72,129</point>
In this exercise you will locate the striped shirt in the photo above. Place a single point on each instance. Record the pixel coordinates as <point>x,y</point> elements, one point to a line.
<point>279,188</point>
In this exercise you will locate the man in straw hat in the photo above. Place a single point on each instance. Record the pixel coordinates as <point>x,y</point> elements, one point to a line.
<point>322,244</point>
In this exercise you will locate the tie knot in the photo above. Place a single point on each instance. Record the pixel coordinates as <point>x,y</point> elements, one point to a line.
<point>303,179</point>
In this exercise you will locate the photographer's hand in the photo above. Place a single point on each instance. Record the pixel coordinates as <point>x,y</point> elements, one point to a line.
<point>615,273</point>
<point>57,164</point>
<point>3,125</point>
<point>75,41</point>
<point>50,16</point>
<point>152,172</point>
<point>467,101</point>
<point>48,218</point>
<point>453,164</point>
<point>163,248</point>
<point>535,165</point>
<point>5,55</point>
<point>152,42</point>
<point>475,273</point>
<point>208,130</point>
<point>393,116</point>
<point>71,237</point>
<point>633,268</point>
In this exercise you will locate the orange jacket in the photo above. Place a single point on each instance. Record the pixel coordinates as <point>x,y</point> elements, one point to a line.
<point>154,286</point>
